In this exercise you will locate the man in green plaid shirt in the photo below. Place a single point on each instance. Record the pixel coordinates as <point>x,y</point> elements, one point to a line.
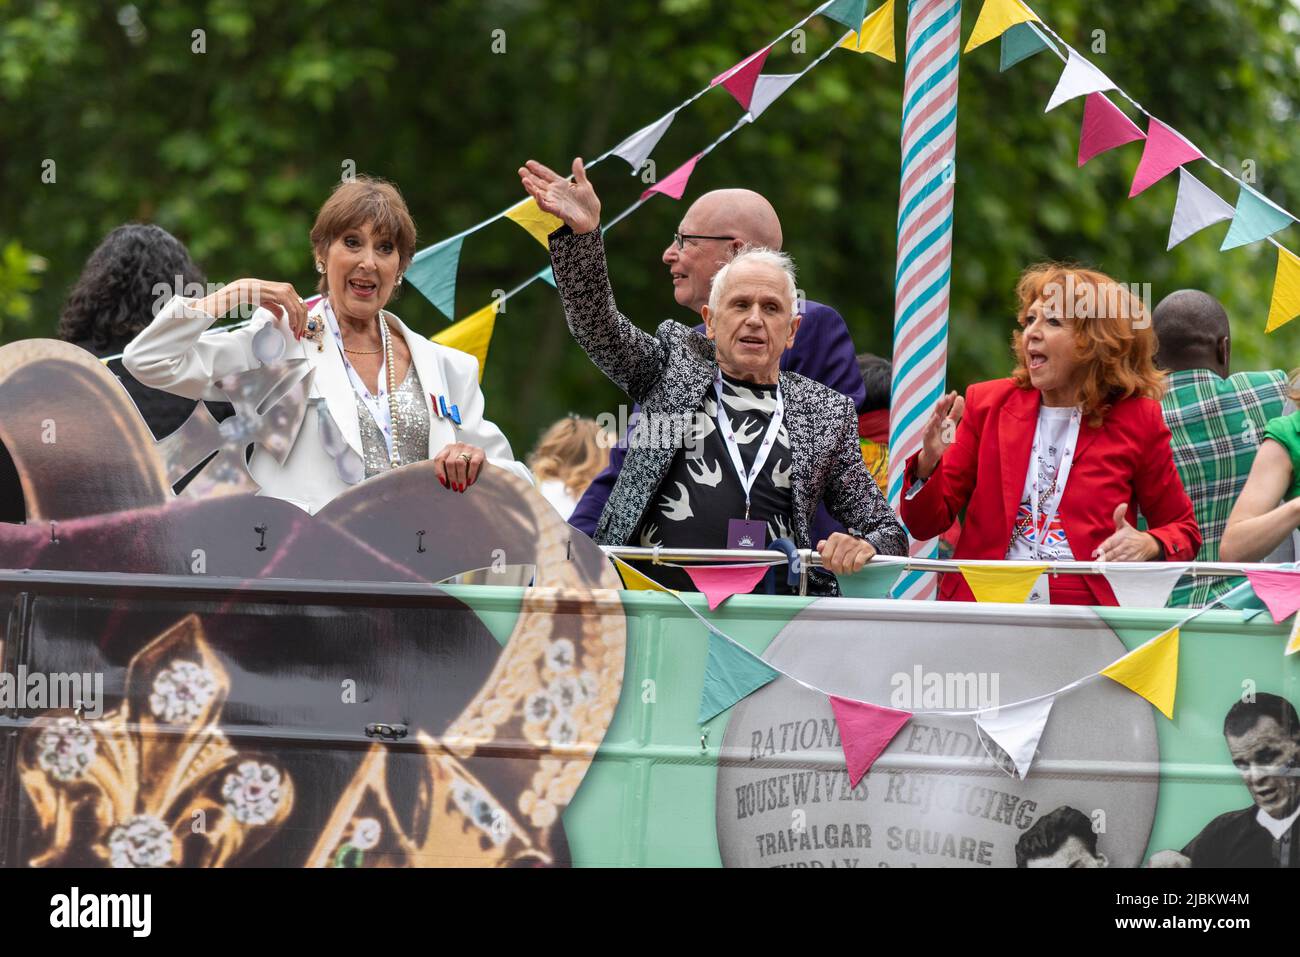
<point>1216,421</point>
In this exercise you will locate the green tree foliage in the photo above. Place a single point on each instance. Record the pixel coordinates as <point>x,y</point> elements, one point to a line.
<point>235,147</point>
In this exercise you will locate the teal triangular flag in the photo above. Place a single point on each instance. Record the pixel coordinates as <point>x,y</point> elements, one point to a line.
<point>1020,43</point>
<point>874,581</point>
<point>548,277</point>
<point>1255,219</point>
<point>433,272</point>
<point>1243,598</point>
<point>731,674</point>
<point>851,13</point>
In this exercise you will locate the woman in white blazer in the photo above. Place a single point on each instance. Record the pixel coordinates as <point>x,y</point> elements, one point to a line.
<point>381,396</point>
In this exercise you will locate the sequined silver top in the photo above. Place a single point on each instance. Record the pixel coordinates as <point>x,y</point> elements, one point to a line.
<point>410,427</point>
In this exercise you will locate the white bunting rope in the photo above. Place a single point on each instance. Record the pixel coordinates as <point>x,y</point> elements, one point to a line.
<point>745,118</point>
<point>952,713</point>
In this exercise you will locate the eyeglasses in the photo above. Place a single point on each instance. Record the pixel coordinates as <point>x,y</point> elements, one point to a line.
<point>680,240</point>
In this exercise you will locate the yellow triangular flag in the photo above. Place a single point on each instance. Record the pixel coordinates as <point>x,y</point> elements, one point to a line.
<point>633,580</point>
<point>1293,643</point>
<point>996,18</point>
<point>472,334</point>
<point>1011,585</point>
<point>538,223</point>
<point>1286,290</point>
<point>876,35</point>
<point>1151,670</point>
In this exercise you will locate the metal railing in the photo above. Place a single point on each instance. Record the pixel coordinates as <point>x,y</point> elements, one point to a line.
<point>811,559</point>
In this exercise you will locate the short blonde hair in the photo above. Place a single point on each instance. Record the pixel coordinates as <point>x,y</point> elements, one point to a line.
<point>760,256</point>
<point>571,451</point>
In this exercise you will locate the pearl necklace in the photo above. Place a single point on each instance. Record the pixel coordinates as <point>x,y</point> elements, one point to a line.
<point>386,339</point>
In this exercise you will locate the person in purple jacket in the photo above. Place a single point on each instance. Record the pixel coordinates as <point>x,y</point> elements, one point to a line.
<point>717,225</point>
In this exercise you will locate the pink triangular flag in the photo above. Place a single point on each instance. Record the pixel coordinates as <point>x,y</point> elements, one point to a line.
<point>720,582</point>
<point>740,79</point>
<point>674,184</point>
<point>1280,591</point>
<point>865,731</point>
<point>1105,126</point>
<point>1164,152</point>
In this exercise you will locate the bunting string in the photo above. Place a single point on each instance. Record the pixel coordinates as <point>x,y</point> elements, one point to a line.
<point>1039,22</point>
<point>544,273</point>
<point>953,713</point>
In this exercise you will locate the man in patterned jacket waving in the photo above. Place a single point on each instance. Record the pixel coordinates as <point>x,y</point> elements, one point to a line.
<point>731,452</point>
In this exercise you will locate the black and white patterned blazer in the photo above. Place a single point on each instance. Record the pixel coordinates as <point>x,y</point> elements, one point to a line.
<point>669,372</point>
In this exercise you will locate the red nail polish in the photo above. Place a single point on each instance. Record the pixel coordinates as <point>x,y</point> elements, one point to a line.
<point>443,481</point>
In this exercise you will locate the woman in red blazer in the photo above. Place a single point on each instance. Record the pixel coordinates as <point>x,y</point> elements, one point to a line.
<point>1052,463</point>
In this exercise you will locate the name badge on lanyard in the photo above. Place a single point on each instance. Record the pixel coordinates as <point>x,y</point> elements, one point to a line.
<point>741,532</point>
<point>1041,593</point>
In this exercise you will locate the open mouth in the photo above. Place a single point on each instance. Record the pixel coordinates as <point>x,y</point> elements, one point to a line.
<point>362,287</point>
<point>1037,360</point>
<point>753,342</point>
<point>678,277</point>
<point>1266,795</point>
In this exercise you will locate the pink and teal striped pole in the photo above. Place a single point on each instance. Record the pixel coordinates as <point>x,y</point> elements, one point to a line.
<point>921,280</point>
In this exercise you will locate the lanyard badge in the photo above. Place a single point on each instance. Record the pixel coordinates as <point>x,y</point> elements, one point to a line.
<point>742,533</point>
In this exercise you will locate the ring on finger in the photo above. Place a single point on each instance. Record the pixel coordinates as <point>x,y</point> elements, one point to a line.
<point>464,455</point>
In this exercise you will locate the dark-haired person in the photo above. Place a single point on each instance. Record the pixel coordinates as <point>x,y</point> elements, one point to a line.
<point>122,286</point>
<point>394,396</point>
<point>1064,838</point>
<point>1054,463</point>
<point>1263,738</point>
<point>116,295</point>
<point>1216,421</point>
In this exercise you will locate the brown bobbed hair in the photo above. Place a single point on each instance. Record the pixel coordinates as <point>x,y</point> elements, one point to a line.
<point>1115,343</point>
<point>356,202</point>
<point>572,451</point>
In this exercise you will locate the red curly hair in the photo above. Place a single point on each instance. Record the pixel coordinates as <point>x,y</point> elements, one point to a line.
<point>1115,344</point>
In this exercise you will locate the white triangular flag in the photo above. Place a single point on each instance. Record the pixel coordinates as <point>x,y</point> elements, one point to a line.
<point>638,147</point>
<point>1079,78</point>
<point>1197,207</point>
<point>767,88</point>
<point>1017,729</point>
<point>1143,587</point>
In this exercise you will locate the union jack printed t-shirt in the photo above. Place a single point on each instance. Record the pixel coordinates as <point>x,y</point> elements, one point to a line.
<point>1054,427</point>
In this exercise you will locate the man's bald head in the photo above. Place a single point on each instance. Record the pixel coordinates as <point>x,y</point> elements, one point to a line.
<point>1193,332</point>
<point>742,213</point>
<point>721,223</point>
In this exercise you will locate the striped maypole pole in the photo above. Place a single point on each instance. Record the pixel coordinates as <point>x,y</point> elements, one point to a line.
<point>925,203</point>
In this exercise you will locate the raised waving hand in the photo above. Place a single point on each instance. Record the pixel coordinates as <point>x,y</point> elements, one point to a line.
<point>573,202</point>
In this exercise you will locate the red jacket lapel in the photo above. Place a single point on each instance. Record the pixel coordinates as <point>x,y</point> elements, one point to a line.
<point>1019,416</point>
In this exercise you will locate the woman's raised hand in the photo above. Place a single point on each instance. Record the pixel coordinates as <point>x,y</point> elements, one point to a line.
<point>940,432</point>
<point>573,202</point>
<point>274,296</point>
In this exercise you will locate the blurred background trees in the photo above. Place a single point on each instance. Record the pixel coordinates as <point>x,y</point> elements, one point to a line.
<point>235,147</point>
